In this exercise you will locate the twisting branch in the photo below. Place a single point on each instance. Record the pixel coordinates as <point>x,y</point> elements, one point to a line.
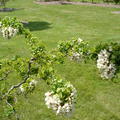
<point>24,81</point>
<point>16,115</point>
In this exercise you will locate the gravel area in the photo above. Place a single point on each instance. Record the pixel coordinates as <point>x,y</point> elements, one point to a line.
<point>116,12</point>
<point>77,3</point>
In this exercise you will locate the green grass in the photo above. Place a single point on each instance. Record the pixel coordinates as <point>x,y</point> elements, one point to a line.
<point>97,99</point>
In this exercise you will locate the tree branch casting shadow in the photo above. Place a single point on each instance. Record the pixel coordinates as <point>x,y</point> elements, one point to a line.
<point>37,25</point>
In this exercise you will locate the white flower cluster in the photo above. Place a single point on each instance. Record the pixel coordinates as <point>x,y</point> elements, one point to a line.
<point>65,108</point>
<point>80,40</point>
<point>30,85</point>
<point>33,82</point>
<point>109,72</point>
<point>76,56</point>
<point>106,68</point>
<point>8,32</point>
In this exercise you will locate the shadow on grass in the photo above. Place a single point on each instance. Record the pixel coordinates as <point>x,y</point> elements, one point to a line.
<point>9,9</point>
<point>37,25</point>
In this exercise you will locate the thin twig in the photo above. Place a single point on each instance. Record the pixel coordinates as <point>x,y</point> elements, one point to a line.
<point>16,115</point>
<point>6,75</point>
<point>24,81</point>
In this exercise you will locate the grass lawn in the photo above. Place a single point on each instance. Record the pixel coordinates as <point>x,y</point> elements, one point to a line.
<point>97,99</point>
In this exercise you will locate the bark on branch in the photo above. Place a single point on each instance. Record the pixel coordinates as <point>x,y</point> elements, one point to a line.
<point>24,81</point>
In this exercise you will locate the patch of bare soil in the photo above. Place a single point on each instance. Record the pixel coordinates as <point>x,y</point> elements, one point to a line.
<point>77,3</point>
<point>116,12</point>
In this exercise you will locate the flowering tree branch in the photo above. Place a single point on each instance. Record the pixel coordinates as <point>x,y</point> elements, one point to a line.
<point>62,92</point>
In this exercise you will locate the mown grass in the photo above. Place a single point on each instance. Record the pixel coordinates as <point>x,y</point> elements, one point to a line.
<point>97,99</point>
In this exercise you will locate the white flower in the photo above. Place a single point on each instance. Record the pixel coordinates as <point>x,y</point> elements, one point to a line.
<point>102,60</point>
<point>28,86</point>
<point>9,32</point>
<point>53,101</point>
<point>22,89</point>
<point>76,56</point>
<point>106,68</point>
<point>110,48</point>
<point>33,82</point>
<point>48,93</point>
<point>54,56</point>
<point>79,40</point>
<point>109,72</point>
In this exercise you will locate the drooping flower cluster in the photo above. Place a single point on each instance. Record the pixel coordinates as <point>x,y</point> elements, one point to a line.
<point>76,49</point>
<point>75,56</point>
<point>9,27</point>
<point>103,59</point>
<point>8,32</point>
<point>106,68</point>
<point>28,86</point>
<point>62,100</point>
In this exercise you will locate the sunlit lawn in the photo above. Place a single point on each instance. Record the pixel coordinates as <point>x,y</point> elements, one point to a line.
<point>97,99</point>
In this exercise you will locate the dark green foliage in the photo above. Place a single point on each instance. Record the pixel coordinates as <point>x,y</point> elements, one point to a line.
<point>96,50</point>
<point>112,48</point>
<point>64,47</point>
<point>116,1</point>
<point>3,2</point>
<point>8,111</point>
<point>115,54</point>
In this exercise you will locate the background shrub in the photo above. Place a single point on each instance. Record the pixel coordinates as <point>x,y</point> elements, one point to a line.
<point>116,1</point>
<point>3,2</point>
